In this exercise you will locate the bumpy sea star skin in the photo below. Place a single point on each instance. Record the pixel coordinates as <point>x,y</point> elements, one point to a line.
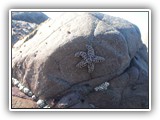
<point>89,58</point>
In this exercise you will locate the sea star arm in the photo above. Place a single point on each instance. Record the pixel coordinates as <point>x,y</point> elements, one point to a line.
<point>98,59</point>
<point>81,64</point>
<point>90,50</point>
<point>90,67</point>
<point>81,54</point>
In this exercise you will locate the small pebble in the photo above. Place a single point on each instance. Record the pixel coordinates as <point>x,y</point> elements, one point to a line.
<point>30,93</point>
<point>15,82</point>
<point>13,79</point>
<point>21,87</point>
<point>25,90</point>
<point>41,103</point>
<point>47,106</point>
<point>62,105</point>
<point>34,97</point>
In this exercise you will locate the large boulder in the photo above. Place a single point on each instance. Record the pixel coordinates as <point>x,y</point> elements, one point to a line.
<point>48,62</point>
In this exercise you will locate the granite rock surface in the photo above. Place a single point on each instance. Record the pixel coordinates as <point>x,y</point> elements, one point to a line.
<point>45,62</point>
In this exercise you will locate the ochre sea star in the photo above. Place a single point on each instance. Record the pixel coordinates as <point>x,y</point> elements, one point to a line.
<point>89,58</point>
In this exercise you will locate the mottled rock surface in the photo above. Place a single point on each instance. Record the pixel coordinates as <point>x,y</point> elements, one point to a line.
<point>18,102</point>
<point>46,64</point>
<point>24,23</point>
<point>20,29</point>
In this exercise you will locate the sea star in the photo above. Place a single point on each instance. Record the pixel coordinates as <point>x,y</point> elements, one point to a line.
<point>89,58</point>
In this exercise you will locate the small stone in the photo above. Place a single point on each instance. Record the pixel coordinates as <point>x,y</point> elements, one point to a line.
<point>30,93</point>
<point>25,90</point>
<point>62,105</point>
<point>47,106</point>
<point>34,97</point>
<point>13,79</point>
<point>21,87</point>
<point>41,103</point>
<point>15,82</point>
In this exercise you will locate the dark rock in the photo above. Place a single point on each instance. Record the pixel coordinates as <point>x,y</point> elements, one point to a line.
<point>83,105</point>
<point>129,90</point>
<point>32,17</point>
<point>68,100</point>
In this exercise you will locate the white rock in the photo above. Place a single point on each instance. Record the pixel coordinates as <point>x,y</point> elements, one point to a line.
<point>21,87</point>
<point>47,106</point>
<point>34,97</point>
<point>25,90</point>
<point>41,103</point>
<point>15,81</point>
<point>30,93</point>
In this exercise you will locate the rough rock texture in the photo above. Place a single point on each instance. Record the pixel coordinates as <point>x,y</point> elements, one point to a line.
<point>18,102</point>
<point>24,23</point>
<point>16,92</point>
<point>46,63</point>
<point>20,29</point>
